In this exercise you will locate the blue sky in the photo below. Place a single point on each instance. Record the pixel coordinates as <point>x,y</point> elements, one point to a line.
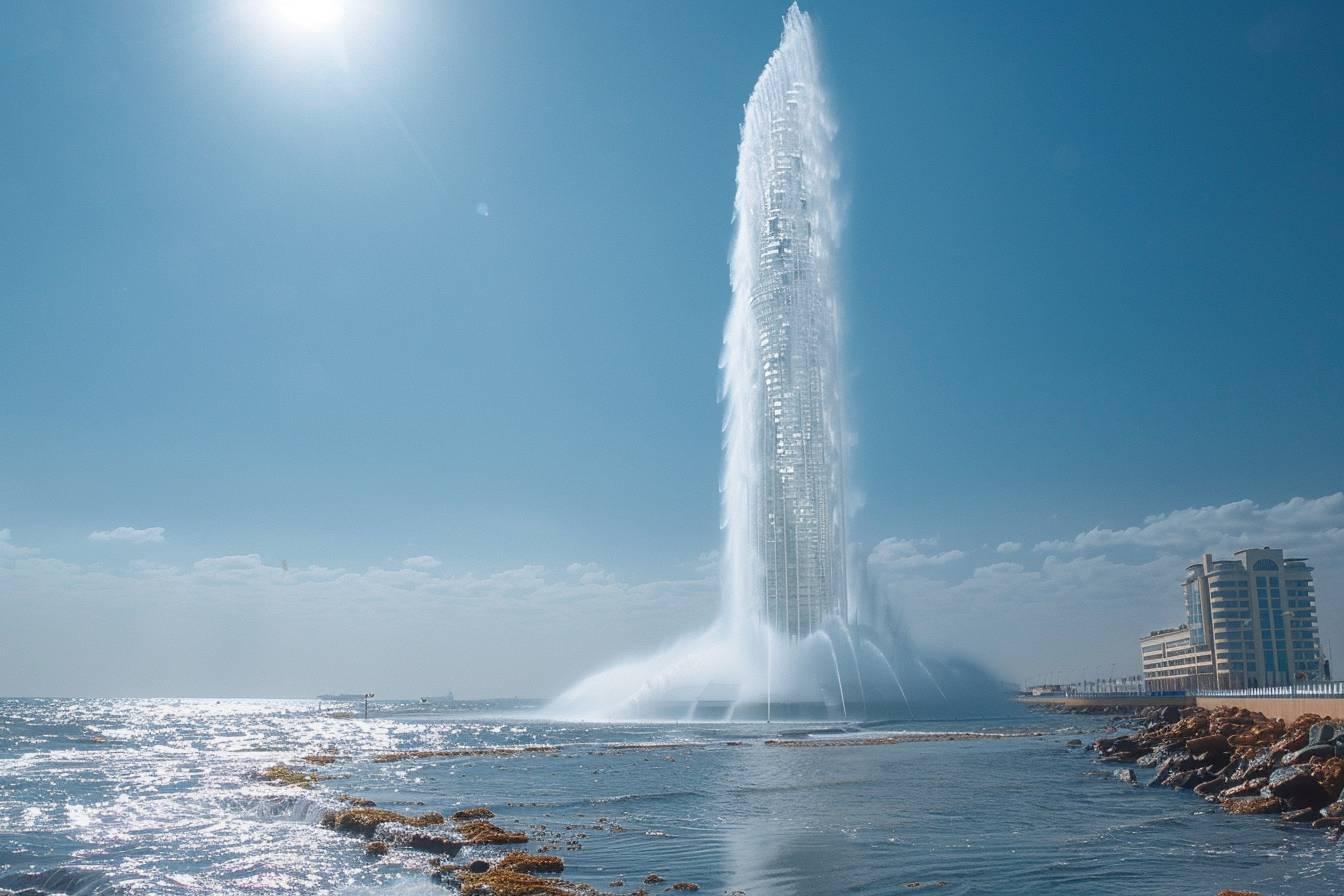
<point>450,284</point>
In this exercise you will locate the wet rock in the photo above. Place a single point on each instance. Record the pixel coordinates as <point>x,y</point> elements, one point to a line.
<point>1329,821</point>
<point>435,843</point>
<point>473,812</point>
<point>365,821</point>
<point>1290,742</point>
<point>526,861</point>
<point>1127,775</point>
<point>1262,763</point>
<point>1297,787</point>
<point>321,758</point>
<point>1211,744</point>
<point>1320,751</point>
<point>1321,733</point>
<point>1212,787</point>
<point>1075,742</point>
<point>283,774</point>
<point>1330,774</point>
<point>1295,816</point>
<point>1168,714</point>
<point>485,832</point>
<point>357,801</point>
<point>653,878</point>
<point>1253,805</point>
<point>1249,787</point>
<point>1153,759</point>
<point>1183,780</point>
<point>376,848</point>
<point>478,867</point>
<point>685,885</point>
<point>1335,808</point>
<point>503,882</point>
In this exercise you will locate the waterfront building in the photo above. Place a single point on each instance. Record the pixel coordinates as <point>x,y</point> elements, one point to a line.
<point>1250,621</point>
<point>1172,663</point>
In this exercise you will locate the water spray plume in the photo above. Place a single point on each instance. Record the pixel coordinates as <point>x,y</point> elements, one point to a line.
<point>788,596</point>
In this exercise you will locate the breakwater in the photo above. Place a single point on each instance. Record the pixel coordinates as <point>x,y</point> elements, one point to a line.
<point>1244,762</point>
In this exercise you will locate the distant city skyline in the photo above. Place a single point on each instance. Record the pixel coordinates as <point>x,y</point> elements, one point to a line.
<point>402,336</point>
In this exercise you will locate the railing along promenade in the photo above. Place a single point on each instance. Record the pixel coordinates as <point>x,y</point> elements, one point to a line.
<point>1280,701</point>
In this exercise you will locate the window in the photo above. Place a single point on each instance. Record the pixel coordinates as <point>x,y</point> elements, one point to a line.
<point>1265,564</point>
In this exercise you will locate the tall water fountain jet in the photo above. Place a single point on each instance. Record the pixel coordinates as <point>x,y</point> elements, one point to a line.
<point>787,642</point>
<point>784,507</point>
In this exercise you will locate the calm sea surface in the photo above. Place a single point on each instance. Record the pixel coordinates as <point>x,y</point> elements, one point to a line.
<point>162,796</point>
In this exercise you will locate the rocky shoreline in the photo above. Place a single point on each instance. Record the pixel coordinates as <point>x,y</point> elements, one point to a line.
<point>1241,761</point>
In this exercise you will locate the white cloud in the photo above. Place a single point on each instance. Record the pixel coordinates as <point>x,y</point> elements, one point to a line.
<point>482,209</point>
<point>589,573</point>
<point>528,630</point>
<point>903,553</point>
<point>9,549</point>
<point>1297,524</point>
<point>424,561</point>
<point>152,535</point>
<point>1009,547</point>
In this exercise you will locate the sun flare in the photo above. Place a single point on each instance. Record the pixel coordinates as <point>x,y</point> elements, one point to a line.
<point>308,16</point>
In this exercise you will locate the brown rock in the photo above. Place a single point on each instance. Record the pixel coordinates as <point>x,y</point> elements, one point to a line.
<point>1330,774</point>
<point>365,821</point>
<point>1252,805</point>
<point>473,812</point>
<point>432,843</point>
<point>1294,816</point>
<point>485,832</point>
<point>1248,787</point>
<point>526,861</point>
<point>1212,786</point>
<point>1213,743</point>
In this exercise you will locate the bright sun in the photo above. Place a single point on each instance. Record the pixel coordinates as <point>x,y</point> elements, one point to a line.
<point>311,16</point>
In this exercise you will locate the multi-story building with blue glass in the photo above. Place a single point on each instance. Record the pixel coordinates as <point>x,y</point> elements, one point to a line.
<point>1252,619</point>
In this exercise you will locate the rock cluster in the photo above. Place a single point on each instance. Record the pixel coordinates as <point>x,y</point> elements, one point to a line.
<point>1243,761</point>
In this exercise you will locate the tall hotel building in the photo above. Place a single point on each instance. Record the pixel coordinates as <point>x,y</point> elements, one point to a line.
<point>1250,622</point>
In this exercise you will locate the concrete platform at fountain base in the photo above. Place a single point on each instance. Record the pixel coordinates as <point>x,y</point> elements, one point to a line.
<point>1286,708</point>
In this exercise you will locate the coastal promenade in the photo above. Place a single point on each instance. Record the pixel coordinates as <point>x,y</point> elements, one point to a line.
<point>1326,699</point>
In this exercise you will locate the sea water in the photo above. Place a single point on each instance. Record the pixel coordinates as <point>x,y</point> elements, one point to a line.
<point>163,796</point>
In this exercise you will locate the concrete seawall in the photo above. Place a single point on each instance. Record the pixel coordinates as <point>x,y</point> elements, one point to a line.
<point>1286,708</point>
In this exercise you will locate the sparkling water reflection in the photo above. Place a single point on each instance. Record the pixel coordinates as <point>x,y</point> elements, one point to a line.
<point>162,796</point>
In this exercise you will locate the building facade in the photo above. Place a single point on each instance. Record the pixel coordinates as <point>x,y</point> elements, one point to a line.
<point>1250,621</point>
<point>1172,663</point>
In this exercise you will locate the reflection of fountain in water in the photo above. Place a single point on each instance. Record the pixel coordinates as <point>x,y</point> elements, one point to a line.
<point>788,598</point>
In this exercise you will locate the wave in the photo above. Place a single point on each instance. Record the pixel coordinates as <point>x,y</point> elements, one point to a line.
<point>67,880</point>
